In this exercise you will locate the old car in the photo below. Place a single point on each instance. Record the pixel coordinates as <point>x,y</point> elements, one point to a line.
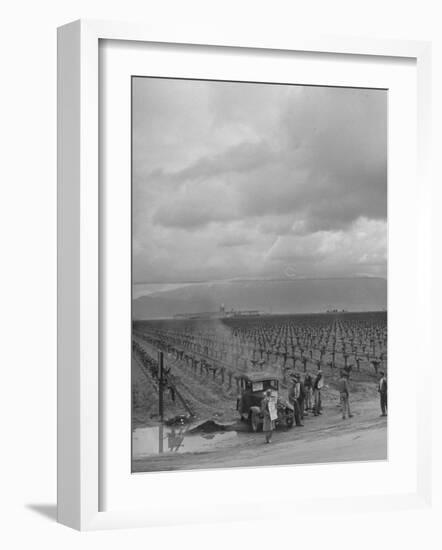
<point>253,388</point>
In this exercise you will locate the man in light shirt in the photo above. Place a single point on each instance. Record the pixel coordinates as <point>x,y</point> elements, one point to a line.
<point>344,394</point>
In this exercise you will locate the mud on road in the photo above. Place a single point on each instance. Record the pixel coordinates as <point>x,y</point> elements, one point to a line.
<point>325,438</point>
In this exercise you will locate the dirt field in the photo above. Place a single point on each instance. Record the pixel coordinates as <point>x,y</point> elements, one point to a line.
<point>324,438</point>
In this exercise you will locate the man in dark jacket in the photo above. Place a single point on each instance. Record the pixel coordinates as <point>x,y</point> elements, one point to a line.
<point>382,389</point>
<point>294,398</point>
<point>301,398</point>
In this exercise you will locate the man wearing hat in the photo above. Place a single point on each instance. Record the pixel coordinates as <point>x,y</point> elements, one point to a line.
<point>317,387</point>
<point>295,397</point>
<point>382,389</point>
<point>301,397</point>
<point>308,389</point>
<point>344,394</point>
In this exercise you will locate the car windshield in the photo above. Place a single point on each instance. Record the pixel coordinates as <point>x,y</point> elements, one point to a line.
<point>265,385</point>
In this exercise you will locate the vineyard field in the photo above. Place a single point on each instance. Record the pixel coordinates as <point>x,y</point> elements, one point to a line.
<point>205,361</point>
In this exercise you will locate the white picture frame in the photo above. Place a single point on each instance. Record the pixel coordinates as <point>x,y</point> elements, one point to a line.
<point>79,265</point>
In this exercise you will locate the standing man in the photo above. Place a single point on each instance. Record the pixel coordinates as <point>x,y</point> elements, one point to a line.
<point>344,394</point>
<point>308,388</point>
<point>294,397</point>
<point>317,387</point>
<point>301,397</point>
<point>382,389</point>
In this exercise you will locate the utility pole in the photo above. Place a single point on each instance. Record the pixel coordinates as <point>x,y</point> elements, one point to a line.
<point>160,400</point>
<point>161,385</point>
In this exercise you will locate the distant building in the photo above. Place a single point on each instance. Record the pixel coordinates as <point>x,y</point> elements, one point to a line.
<point>221,314</point>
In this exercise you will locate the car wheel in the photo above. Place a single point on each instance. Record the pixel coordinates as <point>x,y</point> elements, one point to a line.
<point>254,422</point>
<point>289,421</point>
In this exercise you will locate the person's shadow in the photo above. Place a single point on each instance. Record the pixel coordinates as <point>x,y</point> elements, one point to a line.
<point>48,511</point>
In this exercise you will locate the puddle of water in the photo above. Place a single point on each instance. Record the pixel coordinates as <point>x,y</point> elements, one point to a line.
<point>163,439</point>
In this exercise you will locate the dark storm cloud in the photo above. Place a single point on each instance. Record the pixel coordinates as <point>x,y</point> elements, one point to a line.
<point>342,135</point>
<point>279,172</point>
<point>243,158</point>
<point>328,163</point>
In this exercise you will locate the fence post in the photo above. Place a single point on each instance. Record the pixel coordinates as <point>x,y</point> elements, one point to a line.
<point>161,385</point>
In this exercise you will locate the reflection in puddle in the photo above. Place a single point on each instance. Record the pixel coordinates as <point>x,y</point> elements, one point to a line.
<point>159,439</point>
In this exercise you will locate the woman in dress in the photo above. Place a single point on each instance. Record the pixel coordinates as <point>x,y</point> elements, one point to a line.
<point>269,424</point>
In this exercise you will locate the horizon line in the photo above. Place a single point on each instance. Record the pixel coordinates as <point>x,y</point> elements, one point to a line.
<point>273,314</point>
<point>240,279</point>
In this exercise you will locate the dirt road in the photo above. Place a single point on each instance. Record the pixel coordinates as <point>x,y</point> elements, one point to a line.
<point>326,438</point>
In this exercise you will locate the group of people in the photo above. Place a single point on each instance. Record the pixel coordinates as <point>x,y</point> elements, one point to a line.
<point>305,395</point>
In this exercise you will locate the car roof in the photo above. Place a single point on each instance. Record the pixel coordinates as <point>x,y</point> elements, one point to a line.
<point>259,376</point>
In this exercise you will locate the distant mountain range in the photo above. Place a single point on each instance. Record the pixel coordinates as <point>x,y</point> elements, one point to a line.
<point>270,296</point>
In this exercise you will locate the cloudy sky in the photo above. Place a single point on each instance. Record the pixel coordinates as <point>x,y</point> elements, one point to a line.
<point>237,180</point>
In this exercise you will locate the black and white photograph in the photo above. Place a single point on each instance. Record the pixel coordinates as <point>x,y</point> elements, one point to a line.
<point>259,274</point>
<point>221,266</point>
